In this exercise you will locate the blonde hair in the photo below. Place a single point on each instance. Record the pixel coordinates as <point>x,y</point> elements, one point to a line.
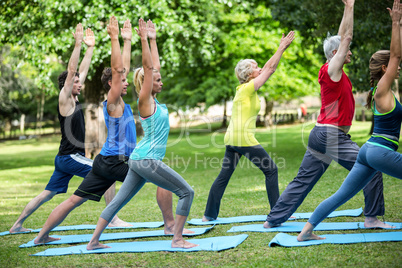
<point>377,60</point>
<point>139,78</point>
<point>243,70</point>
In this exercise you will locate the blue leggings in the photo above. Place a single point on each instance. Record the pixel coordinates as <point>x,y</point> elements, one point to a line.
<point>156,172</point>
<point>371,158</point>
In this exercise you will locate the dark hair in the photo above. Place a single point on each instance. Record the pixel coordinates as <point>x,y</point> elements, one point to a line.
<point>106,77</point>
<point>377,60</point>
<point>62,78</point>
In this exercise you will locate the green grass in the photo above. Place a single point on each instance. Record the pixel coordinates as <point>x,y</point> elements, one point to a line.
<point>25,167</point>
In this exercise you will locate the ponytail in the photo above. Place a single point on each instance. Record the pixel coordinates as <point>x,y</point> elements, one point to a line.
<point>370,95</point>
<point>138,79</point>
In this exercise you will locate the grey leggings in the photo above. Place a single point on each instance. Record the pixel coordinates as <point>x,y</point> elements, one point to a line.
<point>156,172</point>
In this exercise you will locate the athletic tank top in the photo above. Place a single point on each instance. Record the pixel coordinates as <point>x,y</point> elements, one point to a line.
<point>72,132</point>
<point>156,131</point>
<point>121,136</point>
<point>337,102</point>
<point>387,127</point>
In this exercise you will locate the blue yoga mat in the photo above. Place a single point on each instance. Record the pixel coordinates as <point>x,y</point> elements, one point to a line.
<point>72,239</point>
<point>290,227</point>
<point>306,215</point>
<point>92,227</point>
<point>286,240</point>
<point>205,244</point>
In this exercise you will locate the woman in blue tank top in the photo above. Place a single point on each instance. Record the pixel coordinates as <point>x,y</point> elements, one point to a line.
<point>145,161</point>
<point>379,152</point>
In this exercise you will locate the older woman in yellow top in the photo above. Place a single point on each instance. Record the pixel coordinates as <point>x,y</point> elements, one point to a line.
<point>239,138</point>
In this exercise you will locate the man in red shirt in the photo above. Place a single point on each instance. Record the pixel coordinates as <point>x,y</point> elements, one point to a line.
<point>329,139</point>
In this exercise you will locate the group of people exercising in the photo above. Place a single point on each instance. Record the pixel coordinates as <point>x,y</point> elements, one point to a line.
<point>122,159</point>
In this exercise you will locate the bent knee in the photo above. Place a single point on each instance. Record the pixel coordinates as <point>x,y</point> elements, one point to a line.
<point>47,195</point>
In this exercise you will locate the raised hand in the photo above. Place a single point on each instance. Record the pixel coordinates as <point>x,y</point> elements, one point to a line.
<point>126,31</point>
<point>113,28</point>
<point>395,12</point>
<point>151,30</point>
<point>348,2</point>
<point>79,33</point>
<point>287,40</point>
<point>142,30</point>
<point>89,38</point>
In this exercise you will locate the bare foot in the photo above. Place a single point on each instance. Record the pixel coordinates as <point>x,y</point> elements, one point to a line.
<point>44,240</point>
<point>169,231</point>
<point>116,222</point>
<point>183,244</point>
<point>268,225</point>
<point>187,231</point>
<point>373,222</point>
<point>308,236</point>
<point>15,230</point>
<point>92,246</point>
<point>204,218</point>
<point>292,218</point>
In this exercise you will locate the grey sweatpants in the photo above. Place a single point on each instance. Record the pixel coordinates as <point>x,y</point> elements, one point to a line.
<point>156,172</point>
<point>324,145</point>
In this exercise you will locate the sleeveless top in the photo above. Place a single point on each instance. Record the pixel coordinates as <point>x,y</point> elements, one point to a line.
<point>387,127</point>
<point>246,106</point>
<point>72,132</point>
<point>337,102</point>
<point>156,131</point>
<point>121,135</point>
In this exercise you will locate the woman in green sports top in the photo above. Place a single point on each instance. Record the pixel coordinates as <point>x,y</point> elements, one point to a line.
<point>239,138</point>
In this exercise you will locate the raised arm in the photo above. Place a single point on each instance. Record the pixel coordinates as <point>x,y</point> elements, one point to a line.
<point>346,32</point>
<point>65,93</point>
<point>126,34</point>
<point>145,96</point>
<point>86,62</point>
<point>271,65</point>
<point>154,47</point>
<point>383,96</point>
<point>117,68</point>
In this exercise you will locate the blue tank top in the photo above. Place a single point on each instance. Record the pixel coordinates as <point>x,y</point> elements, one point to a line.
<point>156,131</point>
<point>121,136</point>
<point>387,127</point>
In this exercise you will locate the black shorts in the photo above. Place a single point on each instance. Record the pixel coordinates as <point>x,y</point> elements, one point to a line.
<point>105,171</point>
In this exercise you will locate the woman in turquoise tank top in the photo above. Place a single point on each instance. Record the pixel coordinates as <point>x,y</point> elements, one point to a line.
<point>379,152</point>
<point>145,162</point>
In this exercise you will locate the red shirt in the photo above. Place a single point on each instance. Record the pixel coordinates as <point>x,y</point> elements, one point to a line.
<point>337,102</point>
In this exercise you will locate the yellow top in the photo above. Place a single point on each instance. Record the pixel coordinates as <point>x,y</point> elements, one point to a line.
<point>246,106</point>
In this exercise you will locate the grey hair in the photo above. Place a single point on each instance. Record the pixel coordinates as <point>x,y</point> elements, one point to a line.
<point>331,43</point>
<point>244,69</point>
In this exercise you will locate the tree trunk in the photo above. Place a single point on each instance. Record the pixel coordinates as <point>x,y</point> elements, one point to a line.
<point>269,106</point>
<point>22,124</point>
<point>39,113</point>
<point>224,121</point>
<point>95,127</point>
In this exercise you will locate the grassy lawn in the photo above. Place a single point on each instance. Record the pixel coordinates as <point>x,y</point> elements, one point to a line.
<point>26,166</point>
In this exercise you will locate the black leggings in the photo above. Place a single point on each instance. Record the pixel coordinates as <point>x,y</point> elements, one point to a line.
<point>259,157</point>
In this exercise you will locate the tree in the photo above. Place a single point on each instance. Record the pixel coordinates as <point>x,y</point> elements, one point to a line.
<point>246,30</point>
<point>17,89</point>
<point>314,19</point>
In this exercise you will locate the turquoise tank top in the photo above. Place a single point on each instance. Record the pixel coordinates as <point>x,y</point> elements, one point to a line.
<point>156,131</point>
<point>121,135</point>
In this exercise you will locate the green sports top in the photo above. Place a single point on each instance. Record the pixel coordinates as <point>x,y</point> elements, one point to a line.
<point>246,106</point>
